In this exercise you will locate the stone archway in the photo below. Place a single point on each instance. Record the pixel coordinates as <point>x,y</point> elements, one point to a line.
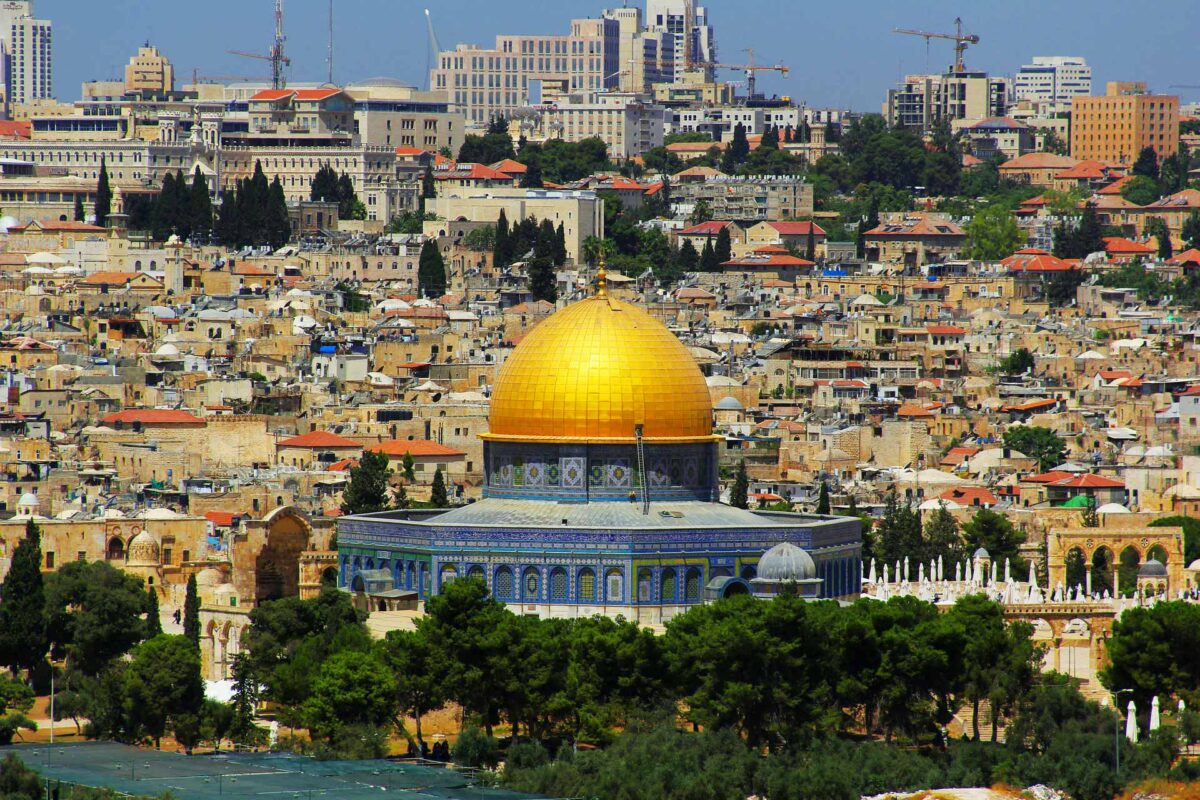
<point>284,534</point>
<point>1109,542</point>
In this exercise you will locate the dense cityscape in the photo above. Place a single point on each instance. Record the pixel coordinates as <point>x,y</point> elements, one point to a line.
<point>586,420</point>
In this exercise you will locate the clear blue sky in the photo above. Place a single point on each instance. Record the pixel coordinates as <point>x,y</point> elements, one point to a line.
<point>842,53</point>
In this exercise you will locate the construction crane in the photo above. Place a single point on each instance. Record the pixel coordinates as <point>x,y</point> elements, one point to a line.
<point>434,49</point>
<point>277,57</point>
<point>750,68</point>
<point>197,78</point>
<point>961,40</point>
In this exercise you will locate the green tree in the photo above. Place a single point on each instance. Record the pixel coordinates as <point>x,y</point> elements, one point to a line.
<point>543,279</point>
<point>770,138</point>
<point>94,614</point>
<point>700,213</point>
<point>200,202</point>
<point>244,705</point>
<point>1191,534</point>
<point>993,234</point>
<point>367,491</point>
<point>739,492</point>
<point>439,497</point>
<point>993,532</point>
<point>723,249</point>
<point>191,612</point>
<point>687,258</point>
<point>1146,164</point>
<point>153,622</point>
<point>1153,652</point>
<point>23,637</point>
<point>737,151</point>
<point>162,684</point>
<point>431,270</point>
<point>418,672</point>
<point>470,633</point>
<point>1191,230</point>
<point>708,258</point>
<point>278,225</point>
<point>897,535</point>
<point>16,699</point>
<point>103,195</point>
<point>428,185</point>
<point>1018,362</point>
<point>823,499</point>
<point>400,498</point>
<point>80,214</point>
<point>350,688</point>
<point>1038,443</point>
<point>408,467</point>
<point>1140,190</point>
<point>1156,227</point>
<point>941,536</point>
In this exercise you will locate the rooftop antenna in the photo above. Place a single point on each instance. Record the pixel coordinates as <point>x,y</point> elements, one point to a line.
<point>435,48</point>
<point>277,57</point>
<point>329,58</point>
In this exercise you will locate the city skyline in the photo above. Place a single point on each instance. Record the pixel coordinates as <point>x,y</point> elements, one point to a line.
<point>823,69</point>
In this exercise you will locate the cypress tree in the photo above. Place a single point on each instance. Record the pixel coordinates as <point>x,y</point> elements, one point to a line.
<point>324,186</point>
<point>347,199</point>
<point>770,139</point>
<point>688,258</point>
<point>103,195</point>
<point>708,258</point>
<point>162,218</point>
<point>723,249</point>
<point>428,186</point>
<point>153,621</point>
<point>368,487</point>
<point>542,282</point>
<point>279,225</point>
<point>80,215</point>
<point>431,270</point>
<point>810,250</point>
<point>739,494</point>
<point>23,640</point>
<point>560,245</point>
<point>191,611</point>
<point>502,249</point>
<point>438,496</point>
<point>201,203</point>
<point>823,499</point>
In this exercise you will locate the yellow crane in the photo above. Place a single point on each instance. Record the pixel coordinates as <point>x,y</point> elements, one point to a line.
<point>961,40</point>
<point>750,68</point>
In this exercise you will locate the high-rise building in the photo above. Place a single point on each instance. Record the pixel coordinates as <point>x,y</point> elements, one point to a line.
<point>1053,81</point>
<point>27,47</point>
<point>520,69</point>
<point>1115,127</point>
<point>924,101</point>
<point>645,57</point>
<point>695,40</point>
<point>149,72</point>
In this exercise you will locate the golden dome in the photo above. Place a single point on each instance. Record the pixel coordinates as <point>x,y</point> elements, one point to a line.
<point>594,371</point>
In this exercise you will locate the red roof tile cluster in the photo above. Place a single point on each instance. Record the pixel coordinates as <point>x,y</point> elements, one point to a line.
<point>317,439</point>
<point>797,228</point>
<point>417,448</point>
<point>152,416</point>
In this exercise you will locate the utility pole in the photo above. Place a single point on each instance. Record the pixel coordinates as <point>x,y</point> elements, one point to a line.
<point>329,58</point>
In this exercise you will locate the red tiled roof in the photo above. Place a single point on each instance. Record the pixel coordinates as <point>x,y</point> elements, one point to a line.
<point>1088,482</point>
<point>969,496</point>
<point>298,94</point>
<point>1039,161</point>
<point>510,166</point>
<point>415,447</point>
<point>410,151</point>
<point>223,519</point>
<point>1084,170</point>
<point>1188,198</point>
<point>1191,256</point>
<point>16,129</point>
<point>1047,477</point>
<point>761,259</point>
<point>1116,186</point>
<point>921,226</point>
<point>61,226</point>
<point>153,416</point>
<point>797,228</point>
<point>1031,405</point>
<point>1032,260</point>
<point>914,412</point>
<point>318,439</point>
<point>945,330</point>
<point>710,228</point>
<point>1118,245</point>
<point>109,278</point>
<point>475,172</point>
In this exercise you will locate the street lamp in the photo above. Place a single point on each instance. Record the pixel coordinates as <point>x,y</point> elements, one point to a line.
<point>1116,725</point>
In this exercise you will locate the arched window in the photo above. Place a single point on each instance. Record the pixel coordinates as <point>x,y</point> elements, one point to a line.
<point>586,586</point>
<point>644,578</point>
<point>666,585</point>
<point>449,572</point>
<point>531,584</point>
<point>558,585</point>
<point>614,586</point>
<point>502,587</point>
<point>691,586</point>
<point>475,573</point>
<point>116,549</point>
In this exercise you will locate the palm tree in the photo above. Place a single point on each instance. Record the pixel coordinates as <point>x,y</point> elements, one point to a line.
<point>593,246</point>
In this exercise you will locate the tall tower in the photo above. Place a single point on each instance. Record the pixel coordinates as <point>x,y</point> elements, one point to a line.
<point>27,47</point>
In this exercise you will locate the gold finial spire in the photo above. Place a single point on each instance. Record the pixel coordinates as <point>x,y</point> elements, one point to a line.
<point>602,278</point>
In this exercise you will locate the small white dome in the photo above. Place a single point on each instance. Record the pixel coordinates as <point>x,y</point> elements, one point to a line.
<point>1112,508</point>
<point>167,350</point>
<point>160,513</point>
<point>786,562</point>
<point>143,551</point>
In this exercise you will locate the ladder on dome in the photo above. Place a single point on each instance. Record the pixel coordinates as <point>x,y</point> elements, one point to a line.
<point>641,463</point>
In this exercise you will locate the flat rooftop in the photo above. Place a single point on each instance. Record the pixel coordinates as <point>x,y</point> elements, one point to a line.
<point>144,772</point>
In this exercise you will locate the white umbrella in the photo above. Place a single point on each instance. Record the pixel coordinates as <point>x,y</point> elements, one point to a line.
<point>939,577</point>
<point>1032,577</point>
<point>1131,728</point>
<point>1155,722</point>
<point>874,576</point>
<point>1008,570</point>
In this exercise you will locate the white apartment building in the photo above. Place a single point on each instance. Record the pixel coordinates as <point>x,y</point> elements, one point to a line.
<point>720,121</point>
<point>525,69</point>
<point>1053,80</point>
<point>27,46</point>
<point>688,24</point>
<point>628,123</point>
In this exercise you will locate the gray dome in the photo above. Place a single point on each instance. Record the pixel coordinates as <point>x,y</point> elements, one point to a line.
<point>728,403</point>
<point>786,562</point>
<point>981,553</point>
<point>1153,568</point>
